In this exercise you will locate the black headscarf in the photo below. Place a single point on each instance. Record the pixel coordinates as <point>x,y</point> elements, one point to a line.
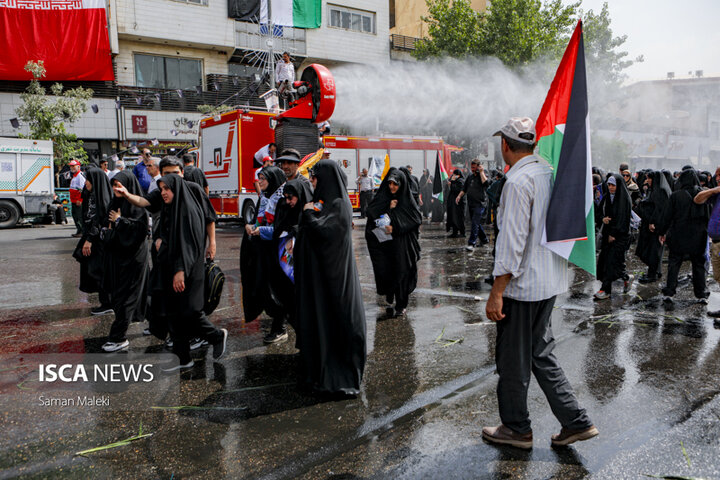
<point>688,181</point>
<point>331,182</point>
<point>127,179</point>
<point>669,178</point>
<point>413,184</point>
<point>286,218</point>
<point>275,177</point>
<point>618,209</point>
<point>186,240</point>
<point>406,210</point>
<point>127,242</point>
<point>101,193</point>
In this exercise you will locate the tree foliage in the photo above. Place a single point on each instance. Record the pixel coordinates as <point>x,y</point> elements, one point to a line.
<point>519,32</point>
<point>46,118</point>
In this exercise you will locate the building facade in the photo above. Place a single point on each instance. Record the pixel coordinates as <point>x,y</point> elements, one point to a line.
<point>170,56</point>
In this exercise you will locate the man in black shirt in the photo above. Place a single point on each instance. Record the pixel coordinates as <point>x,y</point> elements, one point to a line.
<point>475,190</point>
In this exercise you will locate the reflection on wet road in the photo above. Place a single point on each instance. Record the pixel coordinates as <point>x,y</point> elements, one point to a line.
<point>647,376</point>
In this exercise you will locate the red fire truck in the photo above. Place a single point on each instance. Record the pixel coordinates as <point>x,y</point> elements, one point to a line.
<point>228,143</point>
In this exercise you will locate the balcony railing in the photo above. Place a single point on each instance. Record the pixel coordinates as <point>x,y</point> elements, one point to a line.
<point>401,42</point>
<point>253,37</point>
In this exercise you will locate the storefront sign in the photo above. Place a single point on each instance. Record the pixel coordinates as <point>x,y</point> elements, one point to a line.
<point>139,124</point>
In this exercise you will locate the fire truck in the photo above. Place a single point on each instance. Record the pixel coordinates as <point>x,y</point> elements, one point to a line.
<point>228,142</point>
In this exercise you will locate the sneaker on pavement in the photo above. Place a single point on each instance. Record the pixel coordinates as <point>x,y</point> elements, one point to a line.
<point>220,347</point>
<point>147,332</point>
<point>76,235</point>
<point>169,343</point>
<point>715,314</point>
<point>275,337</point>
<point>469,248</point>
<point>110,347</point>
<point>669,300</point>
<point>568,436</point>
<point>101,310</point>
<point>627,285</point>
<point>703,301</point>
<point>601,295</point>
<point>644,279</point>
<point>185,366</point>
<point>505,436</point>
<point>196,343</point>
<point>401,313</point>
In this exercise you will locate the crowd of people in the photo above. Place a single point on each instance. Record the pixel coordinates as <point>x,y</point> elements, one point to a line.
<point>146,235</point>
<point>657,210</point>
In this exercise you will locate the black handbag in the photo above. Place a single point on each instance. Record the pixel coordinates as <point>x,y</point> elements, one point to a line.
<point>214,281</point>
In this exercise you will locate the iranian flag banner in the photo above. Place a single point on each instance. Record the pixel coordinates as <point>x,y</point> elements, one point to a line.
<point>563,132</point>
<point>69,36</point>
<point>440,178</point>
<point>292,13</point>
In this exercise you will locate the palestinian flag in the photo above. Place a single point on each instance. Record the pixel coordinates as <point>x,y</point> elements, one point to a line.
<point>440,178</point>
<point>292,13</point>
<point>563,132</point>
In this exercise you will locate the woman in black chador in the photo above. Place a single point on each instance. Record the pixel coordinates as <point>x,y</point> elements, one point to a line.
<point>426,193</point>
<point>257,254</point>
<point>126,266</point>
<point>686,228</point>
<point>96,199</point>
<point>180,257</point>
<point>652,213</point>
<point>455,220</point>
<point>330,312</point>
<point>614,216</point>
<point>394,212</point>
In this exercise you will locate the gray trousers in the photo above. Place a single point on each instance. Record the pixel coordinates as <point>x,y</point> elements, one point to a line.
<point>524,344</point>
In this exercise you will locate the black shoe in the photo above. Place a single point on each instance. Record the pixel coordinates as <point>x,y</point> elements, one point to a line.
<point>484,242</point>
<point>76,235</point>
<point>220,347</point>
<point>275,337</point>
<point>401,313</point>
<point>715,314</point>
<point>490,280</point>
<point>644,279</point>
<point>101,310</point>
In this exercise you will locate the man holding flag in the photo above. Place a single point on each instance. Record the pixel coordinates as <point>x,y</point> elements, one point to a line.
<point>545,216</point>
<point>528,276</point>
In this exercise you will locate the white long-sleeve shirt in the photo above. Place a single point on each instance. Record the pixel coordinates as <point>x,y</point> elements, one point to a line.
<point>285,71</point>
<point>537,273</point>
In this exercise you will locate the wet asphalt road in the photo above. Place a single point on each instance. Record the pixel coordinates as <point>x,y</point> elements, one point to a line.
<point>649,378</point>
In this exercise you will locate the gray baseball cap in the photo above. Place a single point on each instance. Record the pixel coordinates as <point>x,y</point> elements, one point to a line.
<point>520,129</point>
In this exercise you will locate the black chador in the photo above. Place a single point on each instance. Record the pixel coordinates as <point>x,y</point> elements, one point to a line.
<point>426,193</point>
<point>394,260</point>
<point>126,248</point>
<point>256,256</point>
<point>297,193</point>
<point>652,213</point>
<point>96,199</point>
<point>685,227</point>
<point>615,233</point>
<point>183,233</point>
<point>455,219</point>
<point>330,312</point>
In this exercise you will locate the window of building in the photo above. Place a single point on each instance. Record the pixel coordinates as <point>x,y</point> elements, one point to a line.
<point>392,13</point>
<point>194,2</point>
<point>351,19</point>
<point>153,71</point>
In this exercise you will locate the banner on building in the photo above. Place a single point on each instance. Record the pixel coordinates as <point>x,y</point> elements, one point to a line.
<point>69,36</point>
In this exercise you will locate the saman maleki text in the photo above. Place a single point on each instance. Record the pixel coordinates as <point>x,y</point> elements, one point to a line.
<point>110,372</point>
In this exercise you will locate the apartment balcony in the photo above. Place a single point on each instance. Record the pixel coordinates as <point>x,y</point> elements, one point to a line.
<point>253,41</point>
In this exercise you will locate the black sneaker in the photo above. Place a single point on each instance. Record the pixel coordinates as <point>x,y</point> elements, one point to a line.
<point>110,347</point>
<point>220,347</point>
<point>169,343</point>
<point>714,314</point>
<point>101,310</point>
<point>275,337</point>
<point>196,343</point>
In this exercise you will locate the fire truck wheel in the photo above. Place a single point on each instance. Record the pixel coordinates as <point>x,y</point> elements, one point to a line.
<point>9,214</point>
<point>248,211</point>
